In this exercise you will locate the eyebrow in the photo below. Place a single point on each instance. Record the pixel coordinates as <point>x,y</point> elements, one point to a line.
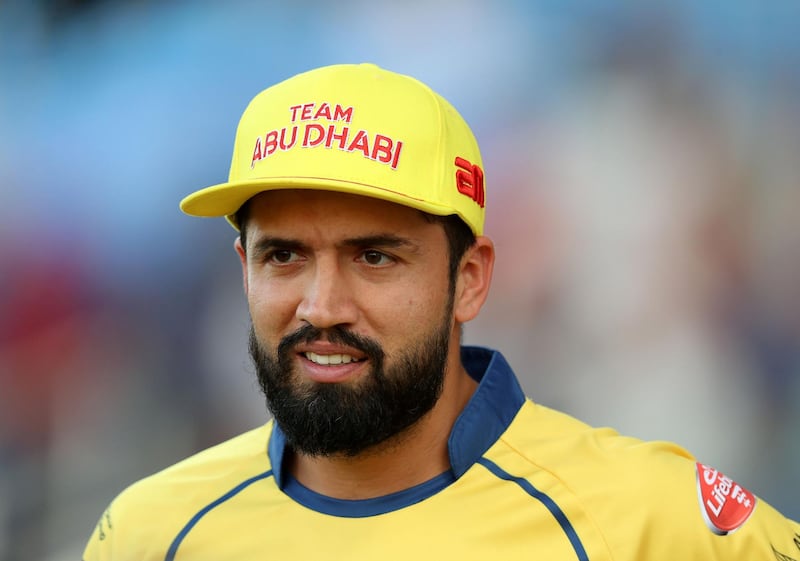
<point>380,240</point>
<point>266,244</point>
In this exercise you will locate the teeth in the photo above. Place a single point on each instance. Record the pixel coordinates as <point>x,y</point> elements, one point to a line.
<point>329,359</point>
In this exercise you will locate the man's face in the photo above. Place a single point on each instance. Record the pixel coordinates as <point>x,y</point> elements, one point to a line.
<point>352,314</point>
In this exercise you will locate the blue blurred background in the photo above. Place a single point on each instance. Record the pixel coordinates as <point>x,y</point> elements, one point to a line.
<point>642,163</point>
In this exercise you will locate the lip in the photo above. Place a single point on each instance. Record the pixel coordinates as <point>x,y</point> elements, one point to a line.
<point>330,373</point>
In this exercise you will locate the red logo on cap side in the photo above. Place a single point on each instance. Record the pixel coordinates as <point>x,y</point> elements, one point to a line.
<point>469,180</point>
<point>725,504</point>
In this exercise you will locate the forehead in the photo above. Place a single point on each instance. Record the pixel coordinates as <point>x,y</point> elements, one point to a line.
<point>307,210</point>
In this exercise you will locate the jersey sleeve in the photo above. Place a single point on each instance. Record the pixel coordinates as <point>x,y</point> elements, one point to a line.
<point>99,547</point>
<point>138,525</point>
<point>740,525</point>
<point>673,507</point>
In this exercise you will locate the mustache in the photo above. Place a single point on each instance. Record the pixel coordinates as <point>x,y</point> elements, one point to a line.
<point>310,334</point>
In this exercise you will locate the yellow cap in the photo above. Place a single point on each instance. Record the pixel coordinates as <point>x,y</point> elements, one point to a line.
<point>356,129</point>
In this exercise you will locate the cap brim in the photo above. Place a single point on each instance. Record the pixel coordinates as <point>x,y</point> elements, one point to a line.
<point>225,199</point>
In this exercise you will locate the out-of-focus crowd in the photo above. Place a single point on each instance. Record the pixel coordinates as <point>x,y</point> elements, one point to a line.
<point>643,191</point>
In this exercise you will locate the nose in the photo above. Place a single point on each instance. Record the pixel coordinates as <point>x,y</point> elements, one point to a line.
<point>328,298</point>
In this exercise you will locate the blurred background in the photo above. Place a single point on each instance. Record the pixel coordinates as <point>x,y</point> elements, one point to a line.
<point>643,169</point>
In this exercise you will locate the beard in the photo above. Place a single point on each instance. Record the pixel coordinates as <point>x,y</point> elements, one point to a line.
<point>327,419</point>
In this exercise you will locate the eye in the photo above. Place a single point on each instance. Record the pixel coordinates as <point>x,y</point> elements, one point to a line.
<point>282,256</point>
<point>376,258</point>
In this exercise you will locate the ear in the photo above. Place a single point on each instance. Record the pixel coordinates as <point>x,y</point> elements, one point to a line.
<point>237,245</point>
<point>473,280</point>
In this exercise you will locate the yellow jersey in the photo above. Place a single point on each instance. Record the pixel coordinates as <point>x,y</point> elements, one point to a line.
<point>526,483</point>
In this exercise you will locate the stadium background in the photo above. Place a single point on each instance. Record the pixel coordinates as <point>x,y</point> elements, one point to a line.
<point>642,185</point>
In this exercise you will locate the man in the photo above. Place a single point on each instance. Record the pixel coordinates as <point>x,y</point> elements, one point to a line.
<point>359,197</point>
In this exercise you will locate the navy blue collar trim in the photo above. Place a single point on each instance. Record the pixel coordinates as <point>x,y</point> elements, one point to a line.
<point>488,414</point>
<point>490,410</point>
<point>363,508</point>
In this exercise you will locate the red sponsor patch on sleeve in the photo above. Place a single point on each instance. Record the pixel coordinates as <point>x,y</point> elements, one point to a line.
<point>725,504</point>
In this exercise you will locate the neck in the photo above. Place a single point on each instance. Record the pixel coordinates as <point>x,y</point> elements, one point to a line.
<point>412,457</point>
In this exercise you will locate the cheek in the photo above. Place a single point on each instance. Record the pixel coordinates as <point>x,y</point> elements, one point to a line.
<point>270,309</point>
<point>416,307</point>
